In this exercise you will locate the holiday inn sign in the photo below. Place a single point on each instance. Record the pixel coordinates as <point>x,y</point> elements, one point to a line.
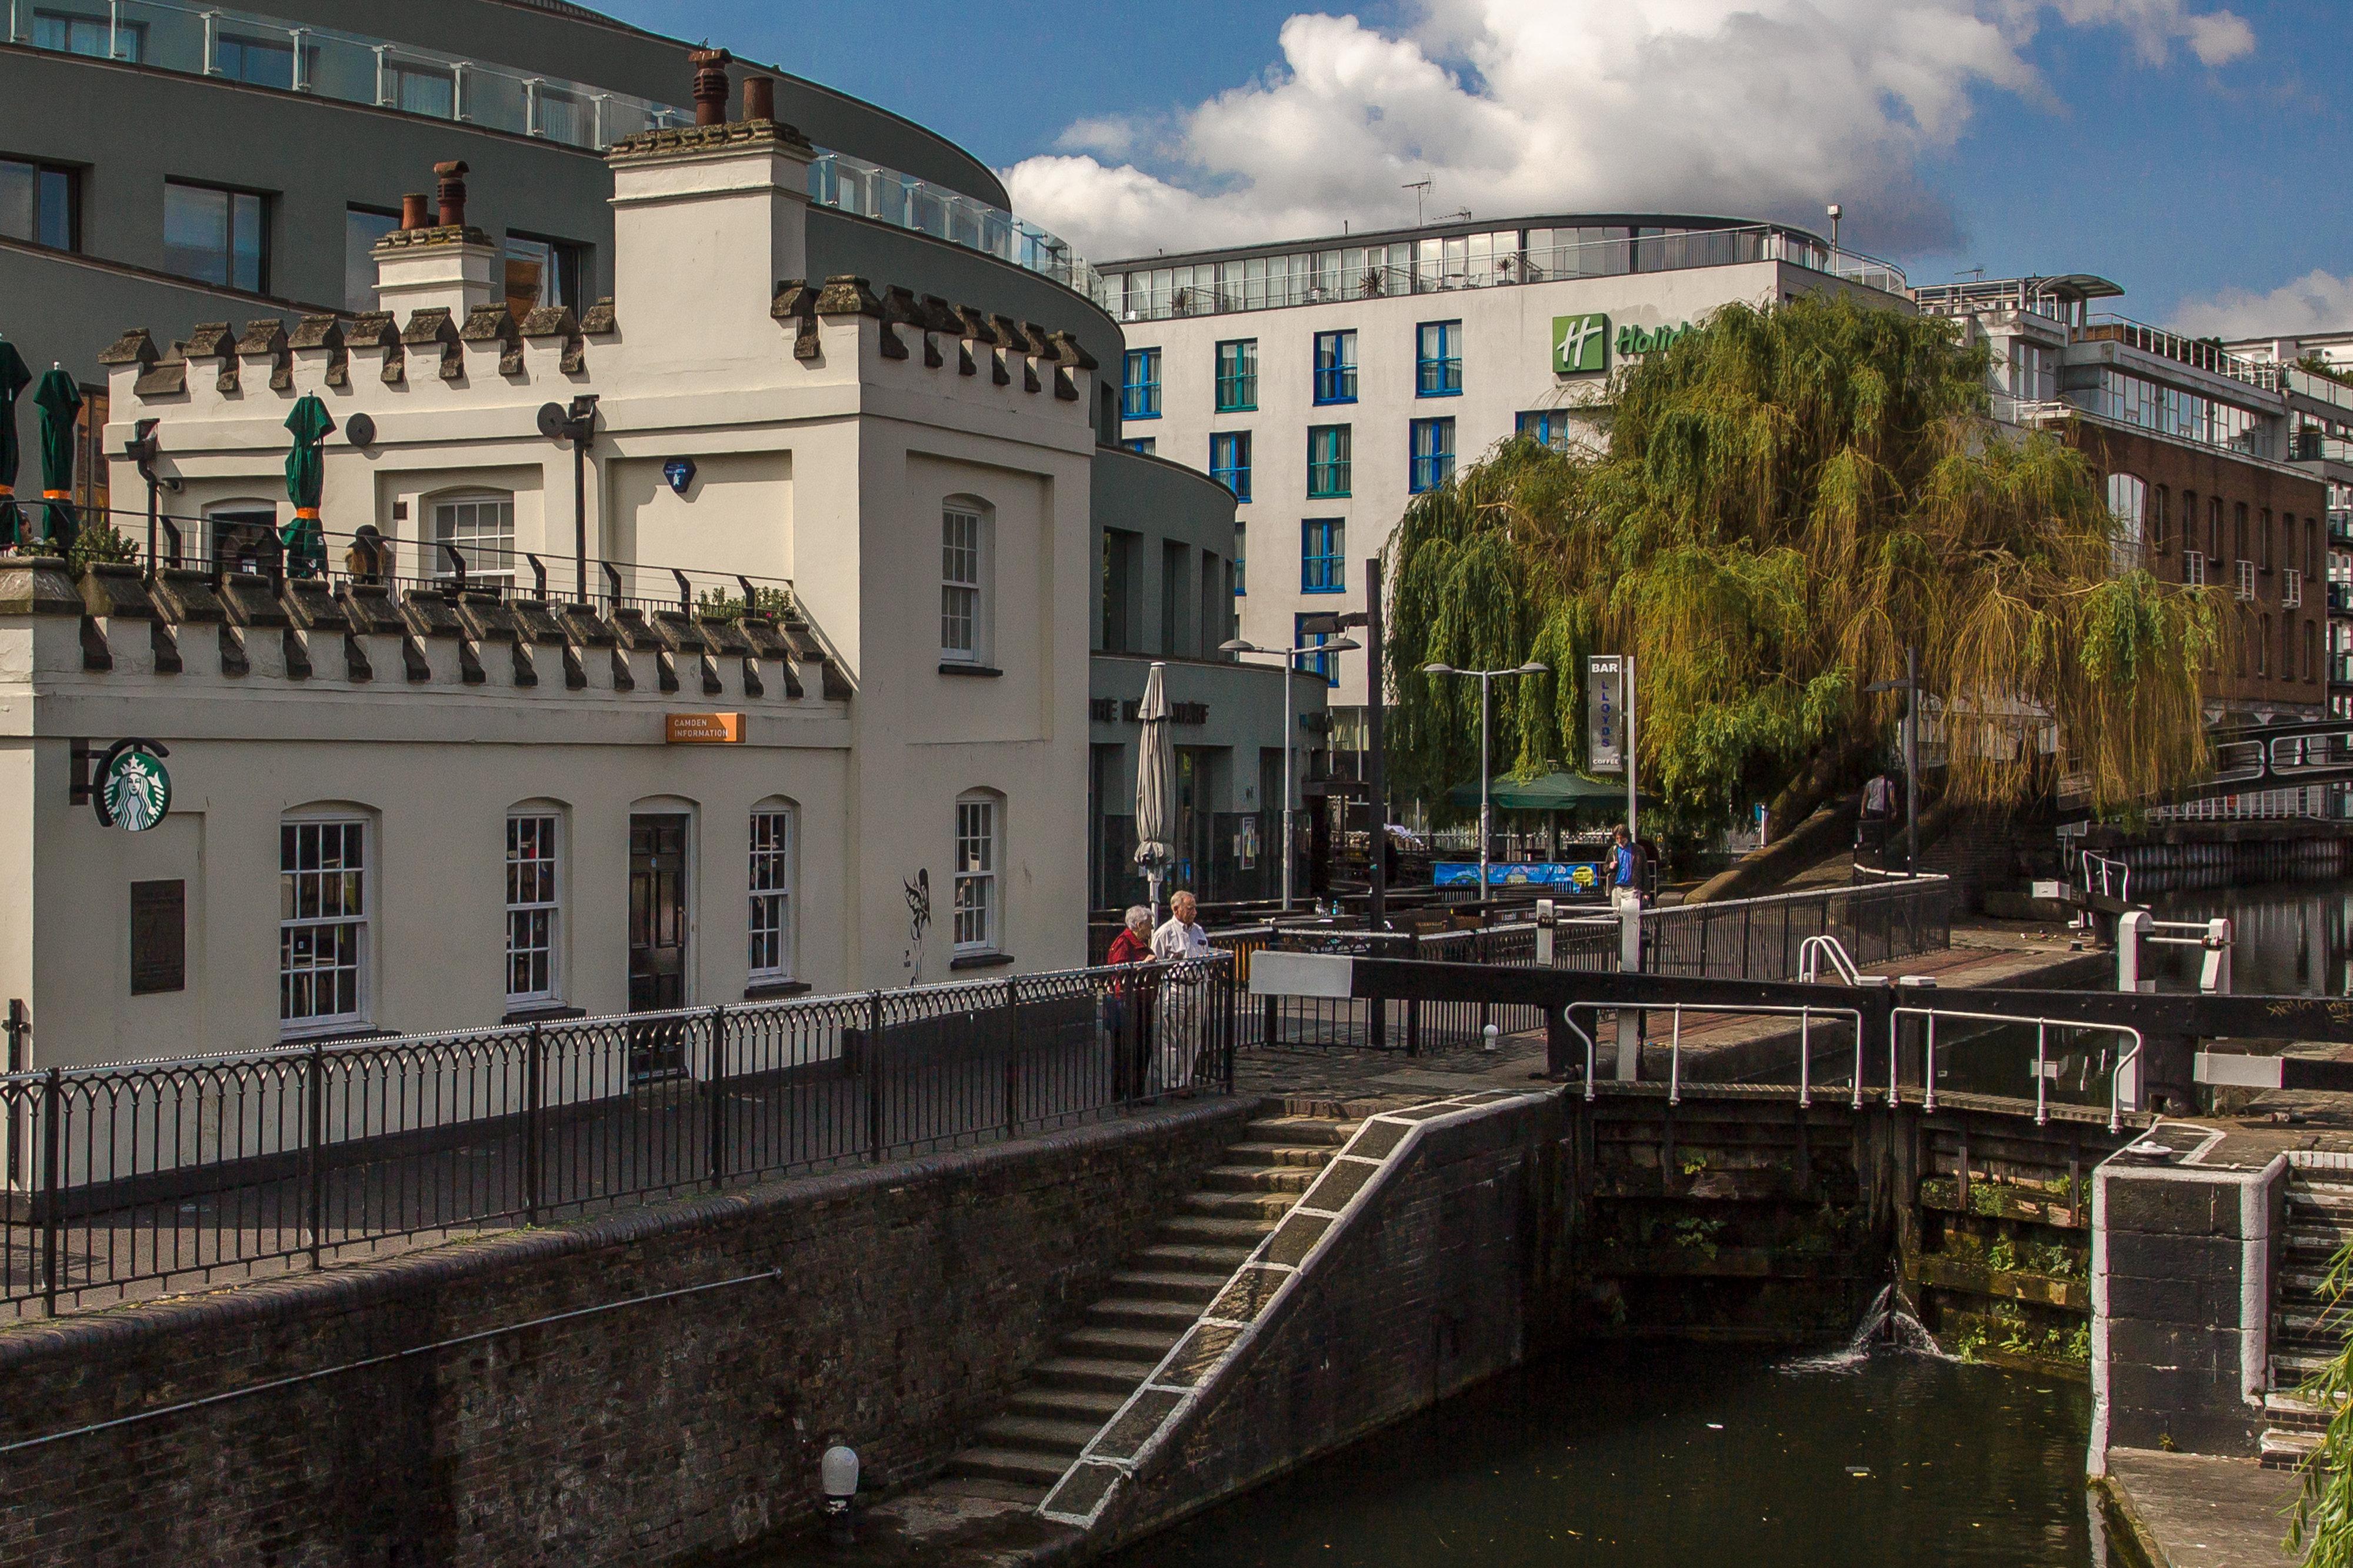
<point>1581,344</point>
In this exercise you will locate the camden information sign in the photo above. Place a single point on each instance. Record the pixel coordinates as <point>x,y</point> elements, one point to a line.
<point>1605,718</point>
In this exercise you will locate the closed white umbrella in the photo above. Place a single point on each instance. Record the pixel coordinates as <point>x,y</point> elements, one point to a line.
<point>1156,782</point>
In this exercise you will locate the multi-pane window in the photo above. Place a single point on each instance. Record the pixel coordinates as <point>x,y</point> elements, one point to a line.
<point>1323,555</point>
<point>416,87</point>
<point>263,62</point>
<point>962,547</point>
<point>216,236</point>
<point>1545,426</point>
<point>546,272</point>
<point>98,37</point>
<point>1237,374</point>
<point>1328,448</point>
<point>38,204</point>
<point>322,923</point>
<point>1142,446</point>
<point>773,850</point>
<point>1335,367</point>
<point>1229,461</point>
<point>1438,359</point>
<point>978,907</point>
<point>474,535</point>
<point>1313,663</point>
<point>1432,454</point>
<point>532,906</point>
<point>1139,391</point>
<point>1241,560</point>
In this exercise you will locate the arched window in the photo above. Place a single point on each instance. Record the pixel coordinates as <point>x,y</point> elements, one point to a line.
<point>535,879</point>
<point>324,901</point>
<point>2160,503</point>
<point>2263,646</point>
<point>979,883</point>
<point>241,535</point>
<point>2311,651</point>
<point>967,548</point>
<point>477,529</point>
<point>774,875</point>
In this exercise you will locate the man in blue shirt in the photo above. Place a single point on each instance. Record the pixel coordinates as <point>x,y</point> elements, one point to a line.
<point>1622,877</point>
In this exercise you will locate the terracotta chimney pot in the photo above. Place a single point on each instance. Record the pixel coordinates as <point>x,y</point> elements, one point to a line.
<point>413,212</point>
<point>452,193</point>
<point>759,98</point>
<point>711,85</point>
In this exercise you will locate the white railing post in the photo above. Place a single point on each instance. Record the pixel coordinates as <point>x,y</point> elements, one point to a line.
<point>2132,931</point>
<point>212,42</point>
<point>302,58</point>
<point>2214,975</point>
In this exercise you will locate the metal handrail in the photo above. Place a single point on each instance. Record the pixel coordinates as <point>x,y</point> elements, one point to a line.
<point>2041,1041</point>
<point>1812,895</point>
<point>1805,1016</point>
<point>1811,950</point>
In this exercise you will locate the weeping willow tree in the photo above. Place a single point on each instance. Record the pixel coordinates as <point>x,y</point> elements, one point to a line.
<point>1786,498</point>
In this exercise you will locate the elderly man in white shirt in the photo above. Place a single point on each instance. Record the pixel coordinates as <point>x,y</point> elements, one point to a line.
<point>1184,996</point>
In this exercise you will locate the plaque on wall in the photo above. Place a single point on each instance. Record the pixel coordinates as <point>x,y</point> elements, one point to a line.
<point>159,936</point>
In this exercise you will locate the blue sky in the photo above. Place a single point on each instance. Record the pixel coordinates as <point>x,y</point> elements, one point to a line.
<point>2191,151</point>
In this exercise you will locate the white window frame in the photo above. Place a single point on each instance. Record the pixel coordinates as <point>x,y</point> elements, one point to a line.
<point>534,902</point>
<point>292,923</point>
<point>977,911</point>
<point>966,573</point>
<point>2292,589</point>
<point>2193,568</point>
<point>771,871</point>
<point>496,565</point>
<point>2246,579</point>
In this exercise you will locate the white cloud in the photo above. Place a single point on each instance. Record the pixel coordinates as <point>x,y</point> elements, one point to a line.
<point>2317,303</point>
<point>1760,107</point>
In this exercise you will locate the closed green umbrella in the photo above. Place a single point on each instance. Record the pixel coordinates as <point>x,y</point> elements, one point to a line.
<point>14,379</point>
<point>59,400</point>
<point>306,476</point>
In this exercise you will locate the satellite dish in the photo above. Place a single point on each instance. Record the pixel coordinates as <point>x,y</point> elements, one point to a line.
<point>553,422</point>
<point>360,430</point>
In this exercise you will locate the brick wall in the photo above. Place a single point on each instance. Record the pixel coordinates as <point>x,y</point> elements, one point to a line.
<point>1456,1271</point>
<point>911,1298</point>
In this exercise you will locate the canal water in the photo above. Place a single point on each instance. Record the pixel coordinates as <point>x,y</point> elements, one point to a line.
<point>1657,1455</point>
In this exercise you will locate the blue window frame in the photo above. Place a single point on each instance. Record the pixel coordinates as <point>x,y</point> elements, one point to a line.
<point>1143,444</point>
<point>1237,376</point>
<point>1546,426</point>
<point>1229,461</point>
<point>1313,663</point>
<point>1438,360</point>
<point>1335,367</point>
<point>1241,558</point>
<point>1323,555</point>
<point>1328,448</point>
<point>1433,454</point>
<point>1139,393</point>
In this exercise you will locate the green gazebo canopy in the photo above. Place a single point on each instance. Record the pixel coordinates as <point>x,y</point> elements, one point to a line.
<point>1548,791</point>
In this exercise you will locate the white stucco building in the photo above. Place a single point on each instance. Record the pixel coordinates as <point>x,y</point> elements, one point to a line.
<point>1329,380</point>
<point>413,805</point>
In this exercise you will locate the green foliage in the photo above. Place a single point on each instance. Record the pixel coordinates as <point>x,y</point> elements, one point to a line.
<point>713,605</point>
<point>1789,496</point>
<point>99,541</point>
<point>2002,1257</point>
<point>2322,1527</point>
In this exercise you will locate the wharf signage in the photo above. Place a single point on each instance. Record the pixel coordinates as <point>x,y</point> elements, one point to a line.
<point>1112,711</point>
<point>1581,345</point>
<point>1605,720</point>
<point>703,729</point>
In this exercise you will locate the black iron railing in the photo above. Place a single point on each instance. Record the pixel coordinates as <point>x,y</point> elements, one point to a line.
<point>1415,1029</point>
<point>189,1171</point>
<point>1763,939</point>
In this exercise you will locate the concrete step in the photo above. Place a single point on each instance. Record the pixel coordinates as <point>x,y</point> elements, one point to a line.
<point>1143,1312</point>
<point>1015,1465</point>
<point>1194,1287</point>
<point>2284,1451</point>
<point>1095,1404</point>
<point>1119,1345</point>
<point>1301,1129</point>
<point>1040,1434</point>
<point>1315,1155</point>
<point>2297,1363</point>
<point>995,1491</point>
<point>1108,1373</point>
<point>1258,1179</point>
<point>2306,1234</point>
<point>1194,1256</point>
<point>1214,1230</point>
<point>1241,1206</point>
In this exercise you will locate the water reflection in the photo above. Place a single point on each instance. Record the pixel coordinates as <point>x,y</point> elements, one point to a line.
<point>2295,938</point>
<point>1675,1455</point>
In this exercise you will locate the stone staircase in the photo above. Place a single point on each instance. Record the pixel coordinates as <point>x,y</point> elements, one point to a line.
<point>1154,1299</point>
<point>2319,1222</point>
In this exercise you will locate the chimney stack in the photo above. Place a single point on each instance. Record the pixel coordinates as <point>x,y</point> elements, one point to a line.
<point>760,98</point>
<point>711,85</point>
<point>453,191</point>
<point>413,213</point>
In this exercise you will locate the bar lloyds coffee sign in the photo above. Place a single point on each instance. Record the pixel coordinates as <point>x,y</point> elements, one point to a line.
<point>1112,711</point>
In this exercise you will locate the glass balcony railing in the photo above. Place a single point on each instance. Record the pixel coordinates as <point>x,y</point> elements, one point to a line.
<point>271,52</point>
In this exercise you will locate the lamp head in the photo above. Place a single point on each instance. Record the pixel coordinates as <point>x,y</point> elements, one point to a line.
<point>1236,645</point>
<point>1533,668</point>
<point>1438,669</point>
<point>1340,645</point>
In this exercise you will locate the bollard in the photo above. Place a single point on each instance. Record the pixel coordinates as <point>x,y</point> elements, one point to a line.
<point>2132,930</point>
<point>1487,1039</point>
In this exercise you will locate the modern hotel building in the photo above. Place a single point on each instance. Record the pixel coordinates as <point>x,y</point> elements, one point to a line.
<point>1328,382</point>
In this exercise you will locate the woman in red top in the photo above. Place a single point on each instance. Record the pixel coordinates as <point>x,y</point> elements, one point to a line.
<point>1127,1010</point>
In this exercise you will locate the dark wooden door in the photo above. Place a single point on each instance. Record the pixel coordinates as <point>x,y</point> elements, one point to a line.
<point>656,942</point>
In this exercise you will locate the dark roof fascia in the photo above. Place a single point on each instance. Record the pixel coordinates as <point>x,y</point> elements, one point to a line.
<point>1460,227</point>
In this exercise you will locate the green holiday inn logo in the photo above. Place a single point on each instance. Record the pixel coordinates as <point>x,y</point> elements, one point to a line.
<point>1580,344</point>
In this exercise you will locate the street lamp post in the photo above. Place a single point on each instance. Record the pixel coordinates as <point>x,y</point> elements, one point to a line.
<point>1486,812</point>
<point>1290,666</point>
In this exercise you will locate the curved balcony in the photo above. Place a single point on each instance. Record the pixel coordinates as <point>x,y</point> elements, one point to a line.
<point>271,52</point>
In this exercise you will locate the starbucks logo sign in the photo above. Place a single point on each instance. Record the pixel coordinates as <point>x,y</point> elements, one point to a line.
<point>134,786</point>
